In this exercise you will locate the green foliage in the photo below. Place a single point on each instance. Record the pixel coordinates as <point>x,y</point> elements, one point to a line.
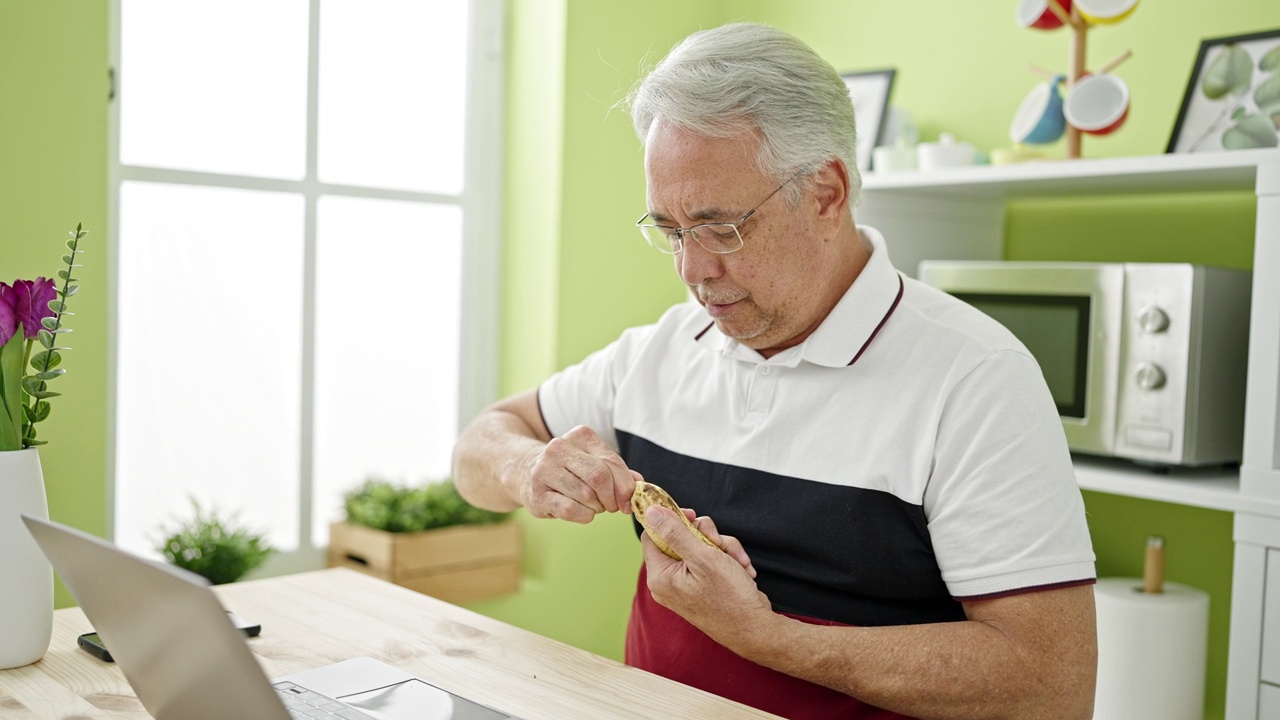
<point>382,505</point>
<point>24,398</point>
<point>1252,131</point>
<point>214,547</point>
<point>1230,76</point>
<point>46,362</point>
<point>1267,96</point>
<point>1271,61</point>
<point>1230,73</point>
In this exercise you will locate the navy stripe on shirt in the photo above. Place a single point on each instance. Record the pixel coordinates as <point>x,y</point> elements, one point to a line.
<point>843,554</point>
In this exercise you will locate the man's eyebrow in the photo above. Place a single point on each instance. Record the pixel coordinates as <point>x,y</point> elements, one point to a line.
<point>704,215</point>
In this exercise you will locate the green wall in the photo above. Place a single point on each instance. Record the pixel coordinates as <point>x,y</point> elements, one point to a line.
<point>574,168</point>
<point>963,66</point>
<point>53,174</point>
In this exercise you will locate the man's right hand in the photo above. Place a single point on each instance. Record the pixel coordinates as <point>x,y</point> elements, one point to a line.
<point>577,476</point>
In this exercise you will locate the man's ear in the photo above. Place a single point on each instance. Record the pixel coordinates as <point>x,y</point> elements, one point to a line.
<point>831,190</point>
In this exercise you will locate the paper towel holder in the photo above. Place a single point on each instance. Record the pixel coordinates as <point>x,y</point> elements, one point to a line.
<point>1153,566</point>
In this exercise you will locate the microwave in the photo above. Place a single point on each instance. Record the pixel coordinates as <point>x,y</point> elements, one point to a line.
<point>1145,361</point>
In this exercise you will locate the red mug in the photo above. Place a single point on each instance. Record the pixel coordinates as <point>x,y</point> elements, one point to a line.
<point>1037,14</point>
<point>1097,104</point>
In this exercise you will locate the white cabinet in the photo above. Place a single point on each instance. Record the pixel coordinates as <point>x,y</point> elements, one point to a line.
<point>1269,702</point>
<point>959,214</point>
<point>1253,680</point>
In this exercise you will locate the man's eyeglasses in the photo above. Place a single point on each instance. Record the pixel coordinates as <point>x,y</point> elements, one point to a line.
<point>720,238</point>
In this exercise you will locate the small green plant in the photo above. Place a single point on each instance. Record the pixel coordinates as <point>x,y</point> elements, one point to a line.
<point>382,505</point>
<point>214,547</point>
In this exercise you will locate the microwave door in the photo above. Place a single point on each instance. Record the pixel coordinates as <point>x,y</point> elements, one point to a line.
<point>1069,316</point>
<point>1055,329</point>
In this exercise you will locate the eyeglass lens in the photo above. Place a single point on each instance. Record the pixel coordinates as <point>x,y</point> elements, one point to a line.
<point>713,237</point>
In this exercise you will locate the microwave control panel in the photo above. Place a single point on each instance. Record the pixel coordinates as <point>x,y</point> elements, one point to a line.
<point>1183,348</point>
<point>1154,348</point>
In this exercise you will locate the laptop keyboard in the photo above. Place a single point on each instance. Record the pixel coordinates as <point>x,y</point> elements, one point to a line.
<point>303,704</point>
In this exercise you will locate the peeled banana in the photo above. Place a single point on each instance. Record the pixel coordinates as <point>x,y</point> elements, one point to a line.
<point>647,494</point>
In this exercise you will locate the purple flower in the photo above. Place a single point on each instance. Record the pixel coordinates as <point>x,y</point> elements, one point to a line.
<point>27,301</point>
<point>8,318</point>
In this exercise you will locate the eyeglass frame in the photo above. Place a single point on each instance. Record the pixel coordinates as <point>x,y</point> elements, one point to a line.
<point>680,232</point>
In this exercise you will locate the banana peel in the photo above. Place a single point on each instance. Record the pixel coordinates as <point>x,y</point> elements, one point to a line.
<point>647,495</point>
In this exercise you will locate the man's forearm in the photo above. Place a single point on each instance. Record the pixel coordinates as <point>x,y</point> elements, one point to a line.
<point>490,458</point>
<point>965,669</point>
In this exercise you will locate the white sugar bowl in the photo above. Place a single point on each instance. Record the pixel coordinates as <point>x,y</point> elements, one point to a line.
<point>946,153</point>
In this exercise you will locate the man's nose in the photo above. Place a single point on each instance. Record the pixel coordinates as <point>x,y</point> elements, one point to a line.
<point>696,264</point>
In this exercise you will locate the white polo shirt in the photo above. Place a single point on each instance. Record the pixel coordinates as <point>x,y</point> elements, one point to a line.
<point>905,456</point>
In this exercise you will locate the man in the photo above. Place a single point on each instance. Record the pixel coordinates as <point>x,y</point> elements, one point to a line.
<point>882,465</point>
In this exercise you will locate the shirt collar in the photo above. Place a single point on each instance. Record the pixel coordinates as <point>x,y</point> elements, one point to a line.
<point>846,331</point>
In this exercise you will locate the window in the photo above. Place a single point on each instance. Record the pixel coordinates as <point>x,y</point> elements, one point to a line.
<point>305,275</point>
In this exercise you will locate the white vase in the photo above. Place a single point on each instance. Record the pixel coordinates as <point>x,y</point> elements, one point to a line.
<point>26,578</point>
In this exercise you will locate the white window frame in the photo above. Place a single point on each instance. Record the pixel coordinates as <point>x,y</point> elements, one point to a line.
<point>480,201</point>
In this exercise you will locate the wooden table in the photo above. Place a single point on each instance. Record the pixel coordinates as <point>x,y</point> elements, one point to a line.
<point>316,618</point>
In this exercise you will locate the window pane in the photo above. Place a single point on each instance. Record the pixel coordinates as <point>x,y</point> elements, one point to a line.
<point>210,343</point>
<point>393,93</point>
<point>214,86</point>
<point>388,287</point>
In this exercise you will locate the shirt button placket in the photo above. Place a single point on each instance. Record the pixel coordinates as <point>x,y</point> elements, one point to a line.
<point>760,397</point>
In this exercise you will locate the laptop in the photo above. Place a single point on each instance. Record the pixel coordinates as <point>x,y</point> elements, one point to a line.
<point>186,660</point>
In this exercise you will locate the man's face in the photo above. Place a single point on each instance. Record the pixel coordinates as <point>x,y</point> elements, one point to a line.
<point>771,294</point>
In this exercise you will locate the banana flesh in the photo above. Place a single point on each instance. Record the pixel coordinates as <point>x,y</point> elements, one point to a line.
<point>646,495</point>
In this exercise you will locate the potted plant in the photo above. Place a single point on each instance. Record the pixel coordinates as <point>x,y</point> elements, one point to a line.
<point>31,315</point>
<point>427,538</point>
<point>216,548</point>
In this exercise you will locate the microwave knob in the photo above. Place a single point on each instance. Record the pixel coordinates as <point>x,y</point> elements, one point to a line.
<point>1153,320</point>
<point>1149,376</point>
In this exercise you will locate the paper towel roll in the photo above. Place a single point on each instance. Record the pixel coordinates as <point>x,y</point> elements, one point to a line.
<point>1151,651</point>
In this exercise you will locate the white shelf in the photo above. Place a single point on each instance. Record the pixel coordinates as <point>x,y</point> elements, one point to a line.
<point>1214,488</point>
<point>1235,170</point>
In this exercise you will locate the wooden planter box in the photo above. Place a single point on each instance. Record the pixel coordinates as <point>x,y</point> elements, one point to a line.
<point>456,564</point>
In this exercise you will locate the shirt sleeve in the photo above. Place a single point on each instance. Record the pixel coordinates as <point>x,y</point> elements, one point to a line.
<point>1004,510</point>
<point>585,393</point>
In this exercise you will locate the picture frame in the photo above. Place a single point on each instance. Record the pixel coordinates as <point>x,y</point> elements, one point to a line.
<point>870,91</point>
<point>1232,100</point>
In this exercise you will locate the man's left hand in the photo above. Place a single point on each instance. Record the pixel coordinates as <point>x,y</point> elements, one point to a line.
<point>713,590</point>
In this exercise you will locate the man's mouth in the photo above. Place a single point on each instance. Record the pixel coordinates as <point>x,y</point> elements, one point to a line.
<point>719,307</point>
